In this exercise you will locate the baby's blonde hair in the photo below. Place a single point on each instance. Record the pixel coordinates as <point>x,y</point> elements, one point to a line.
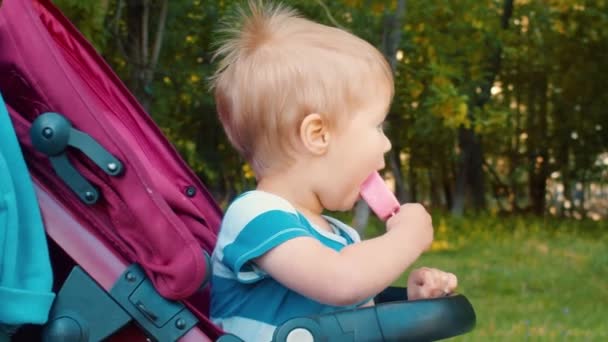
<point>278,67</point>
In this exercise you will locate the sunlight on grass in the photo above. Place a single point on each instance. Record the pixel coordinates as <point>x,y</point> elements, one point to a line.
<point>527,278</point>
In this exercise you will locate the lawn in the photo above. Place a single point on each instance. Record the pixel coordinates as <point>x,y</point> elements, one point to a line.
<point>527,278</point>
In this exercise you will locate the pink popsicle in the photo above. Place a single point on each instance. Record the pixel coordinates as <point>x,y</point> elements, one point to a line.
<point>378,196</point>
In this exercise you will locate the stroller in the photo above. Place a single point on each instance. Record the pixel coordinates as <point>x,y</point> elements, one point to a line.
<point>129,225</point>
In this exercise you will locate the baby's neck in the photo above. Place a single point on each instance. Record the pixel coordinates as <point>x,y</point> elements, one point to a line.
<point>294,192</point>
<point>305,201</point>
<point>317,220</point>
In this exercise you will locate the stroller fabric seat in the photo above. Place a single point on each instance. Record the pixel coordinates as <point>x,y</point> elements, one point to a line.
<point>156,211</point>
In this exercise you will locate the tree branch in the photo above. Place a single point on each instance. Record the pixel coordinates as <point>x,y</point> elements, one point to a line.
<point>495,175</point>
<point>160,30</point>
<point>328,13</point>
<point>144,33</point>
<point>114,30</point>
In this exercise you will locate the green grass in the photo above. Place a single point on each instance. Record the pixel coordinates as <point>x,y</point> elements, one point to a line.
<point>527,278</point>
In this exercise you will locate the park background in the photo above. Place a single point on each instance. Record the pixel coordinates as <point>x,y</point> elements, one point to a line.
<point>499,125</point>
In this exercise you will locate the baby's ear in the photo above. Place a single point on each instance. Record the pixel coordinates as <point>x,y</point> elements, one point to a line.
<point>314,134</point>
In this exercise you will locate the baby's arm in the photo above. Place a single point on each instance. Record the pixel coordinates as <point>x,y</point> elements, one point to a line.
<point>358,271</point>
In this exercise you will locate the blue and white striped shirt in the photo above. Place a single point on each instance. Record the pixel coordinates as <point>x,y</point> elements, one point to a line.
<point>245,300</point>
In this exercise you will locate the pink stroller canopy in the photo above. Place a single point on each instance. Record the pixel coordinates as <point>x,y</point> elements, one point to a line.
<point>155,211</point>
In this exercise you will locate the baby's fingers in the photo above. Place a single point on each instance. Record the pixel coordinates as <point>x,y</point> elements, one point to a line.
<point>452,282</point>
<point>436,283</point>
<point>449,283</point>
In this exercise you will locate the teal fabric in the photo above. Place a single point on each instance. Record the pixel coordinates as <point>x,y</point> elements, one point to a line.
<point>25,271</point>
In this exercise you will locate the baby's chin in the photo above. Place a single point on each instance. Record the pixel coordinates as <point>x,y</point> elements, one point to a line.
<point>346,205</point>
<point>351,204</point>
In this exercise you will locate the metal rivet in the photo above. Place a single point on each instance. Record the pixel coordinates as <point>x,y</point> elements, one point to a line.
<point>300,334</point>
<point>180,324</point>
<point>47,132</point>
<point>190,191</point>
<point>130,277</point>
<point>112,167</point>
<point>89,196</point>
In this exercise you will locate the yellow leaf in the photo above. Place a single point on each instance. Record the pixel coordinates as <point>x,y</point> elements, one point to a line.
<point>247,171</point>
<point>194,78</point>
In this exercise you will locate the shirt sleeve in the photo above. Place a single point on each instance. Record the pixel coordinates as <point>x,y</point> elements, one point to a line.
<point>253,226</point>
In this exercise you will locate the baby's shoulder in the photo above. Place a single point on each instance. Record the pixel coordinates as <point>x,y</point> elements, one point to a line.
<point>253,203</point>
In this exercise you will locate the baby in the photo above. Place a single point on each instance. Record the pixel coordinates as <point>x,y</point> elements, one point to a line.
<point>304,104</point>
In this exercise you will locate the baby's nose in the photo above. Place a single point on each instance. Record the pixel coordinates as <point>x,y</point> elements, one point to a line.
<point>387,144</point>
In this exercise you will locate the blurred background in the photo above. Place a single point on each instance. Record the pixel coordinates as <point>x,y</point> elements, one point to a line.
<point>499,125</point>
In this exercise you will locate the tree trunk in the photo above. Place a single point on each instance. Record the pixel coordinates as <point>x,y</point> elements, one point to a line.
<point>447,186</point>
<point>476,175</point>
<point>583,193</point>
<point>435,189</point>
<point>143,57</point>
<point>465,141</point>
<point>395,165</point>
<point>390,42</point>
<point>543,174</point>
<point>470,167</point>
<point>563,157</point>
<point>413,180</point>
<point>514,156</point>
<point>538,169</point>
<point>361,217</point>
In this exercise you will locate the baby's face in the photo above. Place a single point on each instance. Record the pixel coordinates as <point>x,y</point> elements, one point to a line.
<point>357,149</point>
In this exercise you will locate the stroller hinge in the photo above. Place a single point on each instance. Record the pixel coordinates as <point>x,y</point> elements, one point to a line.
<point>52,133</point>
<point>162,319</point>
<point>83,311</point>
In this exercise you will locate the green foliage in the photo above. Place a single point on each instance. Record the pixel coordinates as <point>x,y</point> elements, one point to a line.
<point>549,83</point>
<point>89,17</point>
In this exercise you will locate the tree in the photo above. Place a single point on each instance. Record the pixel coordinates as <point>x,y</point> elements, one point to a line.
<point>525,81</point>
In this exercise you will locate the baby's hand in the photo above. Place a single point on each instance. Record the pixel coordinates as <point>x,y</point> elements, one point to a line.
<point>416,226</point>
<point>430,283</point>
